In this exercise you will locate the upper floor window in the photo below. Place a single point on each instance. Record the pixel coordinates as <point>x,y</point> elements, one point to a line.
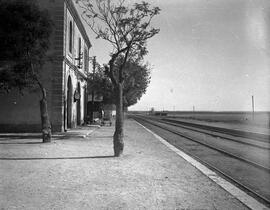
<point>79,53</point>
<point>86,60</point>
<point>70,37</point>
<point>79,47</point>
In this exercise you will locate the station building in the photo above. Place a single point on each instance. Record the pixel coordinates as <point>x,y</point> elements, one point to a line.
<point>64,78</point>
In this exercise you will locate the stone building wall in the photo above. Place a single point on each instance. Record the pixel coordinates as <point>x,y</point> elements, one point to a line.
<point>19,113</point>
<point>76,75</point>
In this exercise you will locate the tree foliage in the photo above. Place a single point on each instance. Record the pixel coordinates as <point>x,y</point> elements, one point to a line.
<point>136,80</point>
<point>24,33</point>
<point>126,27</point>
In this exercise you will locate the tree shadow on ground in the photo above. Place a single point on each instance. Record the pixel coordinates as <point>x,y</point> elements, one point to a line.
<point>21,143</point>
<point>100,137</point>
<point>58,158</point>
<point>5,138</point>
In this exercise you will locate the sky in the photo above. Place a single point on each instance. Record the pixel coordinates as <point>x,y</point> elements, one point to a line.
<point>212,55</point>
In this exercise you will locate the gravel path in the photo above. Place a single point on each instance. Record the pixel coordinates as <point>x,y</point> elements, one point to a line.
<point>80,173</point>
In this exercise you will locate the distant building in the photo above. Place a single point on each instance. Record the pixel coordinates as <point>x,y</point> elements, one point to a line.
<point>64,79</point>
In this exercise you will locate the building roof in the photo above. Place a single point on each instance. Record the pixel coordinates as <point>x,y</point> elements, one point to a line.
<point>77,18</point>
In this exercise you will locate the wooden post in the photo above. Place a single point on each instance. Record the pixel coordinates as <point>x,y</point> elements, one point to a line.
<point>252,108</point>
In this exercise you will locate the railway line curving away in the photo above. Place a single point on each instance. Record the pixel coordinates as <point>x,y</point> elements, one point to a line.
<point>241,157</point>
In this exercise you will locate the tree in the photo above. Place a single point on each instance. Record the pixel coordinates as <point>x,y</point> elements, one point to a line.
<point>127,29</point>
<point>136,79</point>
<point>24,33</point>
<point>101,85</point>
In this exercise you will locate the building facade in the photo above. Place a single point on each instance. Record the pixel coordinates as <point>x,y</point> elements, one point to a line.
<point>65,78</point>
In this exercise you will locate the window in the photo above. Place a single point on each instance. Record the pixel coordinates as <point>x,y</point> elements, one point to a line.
<point>70,36</point>
<point>79,47</point>
<point>79,53</point>
<point>86,61</point>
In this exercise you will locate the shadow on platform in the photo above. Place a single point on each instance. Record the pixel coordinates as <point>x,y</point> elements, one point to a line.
<point>58,158</point>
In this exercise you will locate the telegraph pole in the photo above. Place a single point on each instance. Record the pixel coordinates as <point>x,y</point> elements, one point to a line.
<point>93,93</point>
<point>252,107</point>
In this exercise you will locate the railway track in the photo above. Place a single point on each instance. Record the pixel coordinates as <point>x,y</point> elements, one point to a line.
<point>219,132</point>
<point>237,133</point>
<point>249,175</point>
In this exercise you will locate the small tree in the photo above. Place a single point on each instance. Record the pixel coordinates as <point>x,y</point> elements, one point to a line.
<point>24,35</point>
<point>136,79</point>
<point>126,28</point>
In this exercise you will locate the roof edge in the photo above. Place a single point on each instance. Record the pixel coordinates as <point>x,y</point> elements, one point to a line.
<point>77,18</point>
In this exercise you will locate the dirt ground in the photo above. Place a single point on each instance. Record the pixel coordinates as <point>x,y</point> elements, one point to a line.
<point>81,173</point>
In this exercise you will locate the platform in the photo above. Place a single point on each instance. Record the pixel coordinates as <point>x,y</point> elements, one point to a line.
<point>81,173</point>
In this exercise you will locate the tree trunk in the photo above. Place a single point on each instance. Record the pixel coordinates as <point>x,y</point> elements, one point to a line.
<point>118,143</point>
<point>45,122</point>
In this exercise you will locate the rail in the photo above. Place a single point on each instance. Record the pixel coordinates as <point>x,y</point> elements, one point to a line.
<point>259,196</point>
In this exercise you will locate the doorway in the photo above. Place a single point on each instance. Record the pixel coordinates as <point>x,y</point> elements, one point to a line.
<point>69,103</point>
<point>79,105</point>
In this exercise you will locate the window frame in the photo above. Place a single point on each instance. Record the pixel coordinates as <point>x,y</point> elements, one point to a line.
<point>70,41</point>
